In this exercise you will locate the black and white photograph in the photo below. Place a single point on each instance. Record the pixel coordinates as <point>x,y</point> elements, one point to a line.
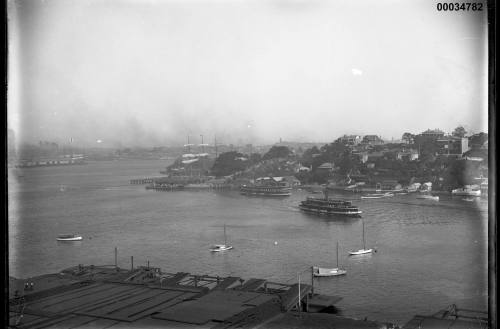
<point>224,164</point>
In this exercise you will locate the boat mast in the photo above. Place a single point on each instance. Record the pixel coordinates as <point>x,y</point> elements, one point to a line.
<point>364,245</point>
<point>337,254</point>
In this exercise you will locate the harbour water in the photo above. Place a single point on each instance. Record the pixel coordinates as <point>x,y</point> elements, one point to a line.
<point>429,254</point>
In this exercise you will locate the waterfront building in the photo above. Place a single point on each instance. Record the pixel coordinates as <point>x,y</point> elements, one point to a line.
<point>389,185</point>
<point>292,180</point>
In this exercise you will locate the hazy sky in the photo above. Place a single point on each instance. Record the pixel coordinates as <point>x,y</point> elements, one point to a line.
<point>153,72</point>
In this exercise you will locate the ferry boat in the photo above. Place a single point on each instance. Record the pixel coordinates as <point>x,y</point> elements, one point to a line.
<point>267,186</point>
<point>467,191</point>
<point>327,206</point>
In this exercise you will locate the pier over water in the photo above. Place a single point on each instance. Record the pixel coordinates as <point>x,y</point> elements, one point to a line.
<point>111,297</point>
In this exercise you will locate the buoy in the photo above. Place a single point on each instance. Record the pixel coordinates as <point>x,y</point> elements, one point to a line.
<point>275,243</point>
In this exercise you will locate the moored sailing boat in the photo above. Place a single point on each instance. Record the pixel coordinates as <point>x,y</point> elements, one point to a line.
<point>221,247</point>
<point>321,271</point>
<point>364,250</point>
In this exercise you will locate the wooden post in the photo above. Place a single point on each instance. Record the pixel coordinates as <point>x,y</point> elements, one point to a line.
<point>299,296</point>
<point>312,280</point>
<point>307,303</point>
<point>116,257</point>
<point>148,264</point>
<point>131,263</point>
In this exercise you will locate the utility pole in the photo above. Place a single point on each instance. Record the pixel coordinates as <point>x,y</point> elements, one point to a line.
<point>215,144</point>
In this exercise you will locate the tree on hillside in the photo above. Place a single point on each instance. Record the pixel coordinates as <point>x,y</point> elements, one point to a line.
<point>277,152</point>
<point>477,140</point>
<point>459,132</point>
<point>228,163</point>
<point>255,158</point>
<point>408,138</point>
<point>309,155</point>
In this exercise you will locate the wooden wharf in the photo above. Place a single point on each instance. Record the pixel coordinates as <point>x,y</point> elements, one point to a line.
<point>112,297</point>
<point>142,181</point>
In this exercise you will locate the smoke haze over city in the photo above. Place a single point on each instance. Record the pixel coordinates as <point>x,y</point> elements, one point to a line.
<point>146,73</point>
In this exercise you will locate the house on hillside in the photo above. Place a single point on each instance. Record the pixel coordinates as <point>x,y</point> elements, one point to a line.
<point>452,145</point>
<point>372,140</point>
<point>363,156</point>
<point>374,156</point>
<point>429,134</point>
<point>350,139</point>
<point>409,155</point>
<point>326,167</point>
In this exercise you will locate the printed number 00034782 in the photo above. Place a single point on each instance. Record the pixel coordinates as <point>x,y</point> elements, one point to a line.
<point>455,6</point>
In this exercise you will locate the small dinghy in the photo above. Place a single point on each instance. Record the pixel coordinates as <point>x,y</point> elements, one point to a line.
<point>69,237</point>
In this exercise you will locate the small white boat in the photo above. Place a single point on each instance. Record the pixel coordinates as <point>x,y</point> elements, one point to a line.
<point>321,271</point>
<point>364,250</point>
<point>469,199</point>
<point>69,237</point>
<point>467,191</point>
<point>361,252</point>
<point>221,247</point>
<point>373,196</point>
<point>429,197</point>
